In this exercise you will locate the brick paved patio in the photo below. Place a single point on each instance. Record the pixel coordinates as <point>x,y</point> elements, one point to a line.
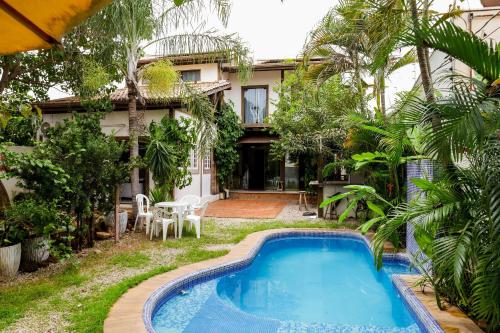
<point>251,209</point>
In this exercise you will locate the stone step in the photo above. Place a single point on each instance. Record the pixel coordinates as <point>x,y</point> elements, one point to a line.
<point>288,196</point>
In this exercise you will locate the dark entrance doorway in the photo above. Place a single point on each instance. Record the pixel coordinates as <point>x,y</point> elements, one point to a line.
<point>257,170</point>
<point>255,158</point>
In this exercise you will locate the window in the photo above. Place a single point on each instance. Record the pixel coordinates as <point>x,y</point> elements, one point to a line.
<point>254,105</point>
<point>191,75</point>
<point>193,160</point>
<point>206,163</point>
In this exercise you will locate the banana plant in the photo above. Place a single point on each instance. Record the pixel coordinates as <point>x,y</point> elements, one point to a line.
<point>357,194</point>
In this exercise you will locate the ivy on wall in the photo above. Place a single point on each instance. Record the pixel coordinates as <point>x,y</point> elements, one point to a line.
<point>229,131</point>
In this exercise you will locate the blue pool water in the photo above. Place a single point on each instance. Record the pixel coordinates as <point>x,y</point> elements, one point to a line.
<point>296,284</point>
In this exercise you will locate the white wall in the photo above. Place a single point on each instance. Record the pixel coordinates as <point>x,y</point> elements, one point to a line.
<point>484,24</point>
<point>10,184</point>
<point>269,78</point>
<point>116,122</point>
<point>208,72</point>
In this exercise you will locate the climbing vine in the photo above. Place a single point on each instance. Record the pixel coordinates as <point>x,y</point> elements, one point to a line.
<point>229,131</point>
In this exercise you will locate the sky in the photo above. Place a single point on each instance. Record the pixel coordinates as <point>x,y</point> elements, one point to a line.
<point>278,29</point>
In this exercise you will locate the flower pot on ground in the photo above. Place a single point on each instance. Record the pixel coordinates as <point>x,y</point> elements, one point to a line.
<point>35,250</point>
<point>122,218</point>
<point>10,259</point>
<point>37,220</point>
<point>222,196</point>
<point>10,248</point>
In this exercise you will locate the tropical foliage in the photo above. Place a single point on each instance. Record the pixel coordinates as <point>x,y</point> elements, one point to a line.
<point>229,131</point>
<point>456,216</point>
<point>77,168</point>
<point>168,152</point>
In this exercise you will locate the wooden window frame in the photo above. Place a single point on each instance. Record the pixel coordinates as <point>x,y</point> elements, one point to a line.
<point>194,169</point>
<point>242,113</point>
<point>191,70</point>
<point>207,170</point>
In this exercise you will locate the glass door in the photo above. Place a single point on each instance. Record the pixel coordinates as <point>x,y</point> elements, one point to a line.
<point>254,105</point>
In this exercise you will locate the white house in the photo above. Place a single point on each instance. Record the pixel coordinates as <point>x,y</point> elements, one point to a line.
<point>253,102</point>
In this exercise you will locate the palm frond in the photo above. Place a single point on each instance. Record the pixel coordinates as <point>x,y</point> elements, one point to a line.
<point>461,45</point>
<point>210,42</point>
<point>190,13</point>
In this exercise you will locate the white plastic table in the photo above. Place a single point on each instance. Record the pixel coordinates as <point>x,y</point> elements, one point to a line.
<point>180,208</point>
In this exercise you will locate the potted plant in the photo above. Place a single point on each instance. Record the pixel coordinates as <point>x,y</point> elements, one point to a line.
<point>38,220</point>
<point>10,248</point>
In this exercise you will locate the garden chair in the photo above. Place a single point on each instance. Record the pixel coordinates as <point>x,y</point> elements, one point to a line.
<point>162,219</point>
<point>195,220</point>
<point>143,212</point>
<point>194,202</point>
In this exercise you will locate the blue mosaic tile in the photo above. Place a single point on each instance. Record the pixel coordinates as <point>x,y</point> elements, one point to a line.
<point>422,169</point>
<point>425,322</point>
<point>216,316</point>
<point>424,319</point>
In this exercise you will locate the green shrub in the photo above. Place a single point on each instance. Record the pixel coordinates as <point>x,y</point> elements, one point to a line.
<point>34,217</point>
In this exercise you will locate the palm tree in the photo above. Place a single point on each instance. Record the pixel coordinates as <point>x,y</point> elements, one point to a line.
<point>359,38</point>
<point>136,26</point>
<point>457,219</point>
<point>422,51</point>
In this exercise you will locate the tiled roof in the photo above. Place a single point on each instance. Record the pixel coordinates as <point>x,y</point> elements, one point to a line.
<point>119,96</point>
<point>176,93</point>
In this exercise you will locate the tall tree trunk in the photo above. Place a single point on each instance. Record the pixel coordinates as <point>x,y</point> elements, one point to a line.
<point>134,142</point>
<point>320,178</point>
<point>117,213</point>
<point>423,60</point>
<point>382,95</point>
<point>421,55</point>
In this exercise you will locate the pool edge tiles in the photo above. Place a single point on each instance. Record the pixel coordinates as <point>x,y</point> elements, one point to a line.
<point>169,290</point>
<point>422,316</point>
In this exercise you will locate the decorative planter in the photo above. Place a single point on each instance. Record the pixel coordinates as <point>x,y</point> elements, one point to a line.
<point>10,259</point>
<point>122,217</point>
<point>222,196</point>
<point>490,3</point>
<point>35,250</point>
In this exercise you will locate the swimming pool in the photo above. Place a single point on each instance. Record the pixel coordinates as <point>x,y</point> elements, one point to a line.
<point>310,283</point>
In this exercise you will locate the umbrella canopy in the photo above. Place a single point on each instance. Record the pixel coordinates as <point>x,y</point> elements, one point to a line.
<point>40,24</point>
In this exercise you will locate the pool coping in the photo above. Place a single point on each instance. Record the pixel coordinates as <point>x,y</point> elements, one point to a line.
<point>134,310</point>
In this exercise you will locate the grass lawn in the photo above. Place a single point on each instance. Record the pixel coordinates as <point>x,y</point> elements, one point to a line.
<point>75,296</point>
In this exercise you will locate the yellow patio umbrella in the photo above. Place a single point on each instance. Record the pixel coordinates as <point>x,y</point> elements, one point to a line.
<point>40,24</point>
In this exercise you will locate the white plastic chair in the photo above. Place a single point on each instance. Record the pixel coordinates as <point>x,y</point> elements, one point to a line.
<point>194,202</point>
<point>197,219</point>
<point>143,213</point>
<point>162,219</point>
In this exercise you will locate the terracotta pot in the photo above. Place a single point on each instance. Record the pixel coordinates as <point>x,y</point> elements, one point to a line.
<point>35,250</point>
<point>490,3</point>
<point>10,259</point>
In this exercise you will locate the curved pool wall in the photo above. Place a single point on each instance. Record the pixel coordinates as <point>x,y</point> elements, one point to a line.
<point>421,316</point>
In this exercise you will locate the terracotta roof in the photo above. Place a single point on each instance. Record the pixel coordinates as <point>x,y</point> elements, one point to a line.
<point>273,64</point>
<point>208,88</point>
<point>120,96</point>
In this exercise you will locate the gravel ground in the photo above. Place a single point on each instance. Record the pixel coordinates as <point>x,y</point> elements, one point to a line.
<point>42,320</point>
